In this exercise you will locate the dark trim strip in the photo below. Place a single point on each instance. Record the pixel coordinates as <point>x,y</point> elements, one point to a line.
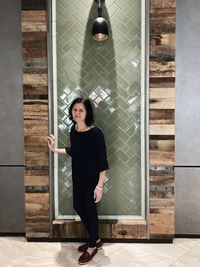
<point>105,240</point>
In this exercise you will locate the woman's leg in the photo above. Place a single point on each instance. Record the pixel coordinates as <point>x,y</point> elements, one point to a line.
<point>78,205</point>
<point>90,208</point>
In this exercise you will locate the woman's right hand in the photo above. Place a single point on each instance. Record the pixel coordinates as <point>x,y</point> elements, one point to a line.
<point>51,142</point>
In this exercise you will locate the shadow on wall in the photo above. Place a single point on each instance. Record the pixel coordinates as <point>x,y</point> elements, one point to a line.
<point>98,82</point>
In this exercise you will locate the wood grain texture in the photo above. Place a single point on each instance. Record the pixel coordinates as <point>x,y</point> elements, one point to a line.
<point>35,107</point>
<point>162,129</point>
<point>36,180</point>
<point>163,4</point>
<point>34,27</point>
<point>162,69</point>
<point>34,5</point>
<point>35,126</point>
<point>35,66</point>
<point>36,143</point>
<point>37,158</point>
<point>163,93</point>
<point>161,178</point>
<point>161,153</point>
<point>39,80</point>
<point>34,16</point>
<point>162,224</point>
<point>34,40</point>
<point>35,92</point>
<point>37,214</point>
<point>121,229</point>
<point>162,116</point>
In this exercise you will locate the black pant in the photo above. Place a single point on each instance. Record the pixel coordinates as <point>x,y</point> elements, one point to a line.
<point>84,204</point>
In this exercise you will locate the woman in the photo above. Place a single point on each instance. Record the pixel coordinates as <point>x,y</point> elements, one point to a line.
<point>89,165</point>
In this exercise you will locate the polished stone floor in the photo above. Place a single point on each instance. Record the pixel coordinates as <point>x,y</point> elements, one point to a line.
<point>16,251</point>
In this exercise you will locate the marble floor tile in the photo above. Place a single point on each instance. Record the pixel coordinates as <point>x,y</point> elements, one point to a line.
<point>17,252</point>
<point>191,258</point>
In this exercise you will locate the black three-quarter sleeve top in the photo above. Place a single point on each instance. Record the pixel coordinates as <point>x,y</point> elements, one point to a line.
<point>89,157</point>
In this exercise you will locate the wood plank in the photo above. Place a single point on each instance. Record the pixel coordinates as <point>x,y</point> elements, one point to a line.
<point>36,158</point>
<point>162,203</point>
<point>163,26</point>
<point>162,10</point>
<point>162,211</point>
<point>36,180</point>
<point>162,69</point>
<point>162,137</point>
<point>34,40</point>
<point>34,16</point>
<point>39,80</point>
<point>37,213</point>
<point>34,90</point>
<point>161,195</point>
<point>162,206</point>
<point>34,5</point>
<point>161,178</point>
<point>161,103</point>
<point>36,126</point>
<point>34,26</point>
<point>162,55</point>
<point>34,52</point>
<point>162,145</point>
<point>107,229</point>
<point>36,172</point>
<point>162,41</point>
<point>163,4</point>
<point>36,143</point>
<point>161,158</point>
<point>162,129</point>
<point>35,66</point>
<point>36,149</point>
<point>161,116</point>
<point>161,82</point>
<point>164,16</point>
<point>162,224</point>
<point>35,107</point>
<point>127,230</point>
<point>168,93</point>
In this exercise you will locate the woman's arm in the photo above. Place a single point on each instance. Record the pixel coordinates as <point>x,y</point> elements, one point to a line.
<point>98,192</point>
<point>60,151</point>
<point>51,145</point>
<point>101,179</point>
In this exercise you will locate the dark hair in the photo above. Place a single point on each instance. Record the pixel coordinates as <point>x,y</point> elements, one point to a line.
<point>89,111</point>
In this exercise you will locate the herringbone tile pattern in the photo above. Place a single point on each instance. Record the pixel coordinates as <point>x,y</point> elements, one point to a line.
<point>109,74</point>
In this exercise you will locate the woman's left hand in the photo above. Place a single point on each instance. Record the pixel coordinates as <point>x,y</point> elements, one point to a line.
<point>98,195</point>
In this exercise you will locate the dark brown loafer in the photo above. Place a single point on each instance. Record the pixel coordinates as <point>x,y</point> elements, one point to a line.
<point>84,247</point>
<point>86,257</point>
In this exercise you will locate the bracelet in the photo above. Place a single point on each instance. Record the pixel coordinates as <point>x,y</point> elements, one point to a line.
<point>99,188</point>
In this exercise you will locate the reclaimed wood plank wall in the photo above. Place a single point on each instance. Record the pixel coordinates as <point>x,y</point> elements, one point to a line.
<point>161,115</point>
<point>35,92</point>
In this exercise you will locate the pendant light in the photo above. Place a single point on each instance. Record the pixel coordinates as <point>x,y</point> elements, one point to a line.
<point>100,26</point>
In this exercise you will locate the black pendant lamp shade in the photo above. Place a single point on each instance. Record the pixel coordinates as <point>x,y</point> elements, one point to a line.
<point>100,26</point>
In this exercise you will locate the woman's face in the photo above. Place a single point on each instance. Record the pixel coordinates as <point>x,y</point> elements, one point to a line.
<point>79,112</point>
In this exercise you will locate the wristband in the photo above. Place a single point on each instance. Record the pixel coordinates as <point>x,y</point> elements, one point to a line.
<point>99,188</point>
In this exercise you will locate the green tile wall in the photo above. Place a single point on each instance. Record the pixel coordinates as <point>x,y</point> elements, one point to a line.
<point>108,73</point>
